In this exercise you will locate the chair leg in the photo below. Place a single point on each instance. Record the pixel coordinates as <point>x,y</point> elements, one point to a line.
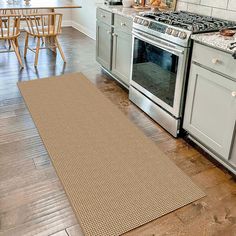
<point>37,52</point>
<point>60,49</point>
<point>16,49</point>
<point>9,42</point>
<point>17,45</point>
<point>26,44</point>
<point>16,42</point>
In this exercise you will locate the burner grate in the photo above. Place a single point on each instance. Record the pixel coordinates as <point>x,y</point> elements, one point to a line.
<point>190,21</point>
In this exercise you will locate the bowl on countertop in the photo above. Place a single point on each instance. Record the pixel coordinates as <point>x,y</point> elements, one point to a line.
<point>228,32</point>
<point>127,3</point>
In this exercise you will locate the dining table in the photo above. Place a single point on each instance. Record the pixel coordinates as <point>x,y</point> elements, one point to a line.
<point>50,5</point>
<point>39,4</point>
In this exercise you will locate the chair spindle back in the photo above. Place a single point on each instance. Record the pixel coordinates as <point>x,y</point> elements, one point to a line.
<point>23,12</point>
<point>9,26</point>
<point>44,24</point>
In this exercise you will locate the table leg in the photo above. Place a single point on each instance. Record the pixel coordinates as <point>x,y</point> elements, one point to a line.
<point>50,41</point>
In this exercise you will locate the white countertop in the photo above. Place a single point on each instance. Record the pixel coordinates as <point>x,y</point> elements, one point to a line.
<point>215,40</point>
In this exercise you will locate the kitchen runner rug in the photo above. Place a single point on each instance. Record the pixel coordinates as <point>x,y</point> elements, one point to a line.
<point>114,176</point>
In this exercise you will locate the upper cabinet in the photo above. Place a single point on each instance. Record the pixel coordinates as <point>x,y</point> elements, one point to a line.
<point>210,112</point>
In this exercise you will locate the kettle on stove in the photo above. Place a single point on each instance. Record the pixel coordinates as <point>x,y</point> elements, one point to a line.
<point>113,2</point>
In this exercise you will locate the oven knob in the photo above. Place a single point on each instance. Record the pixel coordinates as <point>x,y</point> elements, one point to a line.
<point>139,21</point>
<point>145,23</point>
<point>175,33</point>
<point>169,31</point>
<point>183,35</point>
<point>135,20</point>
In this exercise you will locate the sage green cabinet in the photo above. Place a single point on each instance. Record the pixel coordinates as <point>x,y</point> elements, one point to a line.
<point>233,153</point>
<point>121,59</point>
<point>210,112</point>
<point>114,44</point>
<point>104,44</point>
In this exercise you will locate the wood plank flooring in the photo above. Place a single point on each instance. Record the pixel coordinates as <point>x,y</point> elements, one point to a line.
<point>32,200</point>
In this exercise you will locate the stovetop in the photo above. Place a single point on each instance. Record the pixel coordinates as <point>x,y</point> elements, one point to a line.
<point>189,21</point>
<point>177,26</point>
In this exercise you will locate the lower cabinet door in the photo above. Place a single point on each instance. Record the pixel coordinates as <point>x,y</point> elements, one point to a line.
<point>233,152</point>
<point>104,44</point>
<point>210,112</point>
<point>121,60</point>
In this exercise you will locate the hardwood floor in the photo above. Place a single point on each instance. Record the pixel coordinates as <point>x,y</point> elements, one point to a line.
<point>32,200</point>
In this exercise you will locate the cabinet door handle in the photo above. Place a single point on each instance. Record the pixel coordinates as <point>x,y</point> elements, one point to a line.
<point>103,16</point>
<point>215,60</point>
<point>122,24</point>
<point>234,94</point>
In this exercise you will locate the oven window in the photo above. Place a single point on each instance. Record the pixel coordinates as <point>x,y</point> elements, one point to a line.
<point>155,70</point>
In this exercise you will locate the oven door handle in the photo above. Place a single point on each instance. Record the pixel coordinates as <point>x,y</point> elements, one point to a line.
<point>160,45</point>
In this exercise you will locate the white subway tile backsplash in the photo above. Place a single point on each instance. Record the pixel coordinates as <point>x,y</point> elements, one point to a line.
<point>215,3</point>
<point>232,5</point>
<point>224,14</point>
<point>194,1</point>
<point>183,6</point>
<point>225,9</point>
<point>199,9</point>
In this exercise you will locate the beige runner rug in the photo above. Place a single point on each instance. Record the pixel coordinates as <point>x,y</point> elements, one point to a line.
<point>115,177</point>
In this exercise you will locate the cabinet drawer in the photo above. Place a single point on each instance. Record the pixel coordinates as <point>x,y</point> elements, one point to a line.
<point>104,16</point>
<point>215,59</point>
<point>123,23</point>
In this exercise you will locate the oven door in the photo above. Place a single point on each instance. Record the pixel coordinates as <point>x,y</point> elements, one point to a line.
<point>159,71</point>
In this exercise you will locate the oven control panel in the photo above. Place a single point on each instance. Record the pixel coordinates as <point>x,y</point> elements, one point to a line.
<point>158,27</point>
<point>169,31</point>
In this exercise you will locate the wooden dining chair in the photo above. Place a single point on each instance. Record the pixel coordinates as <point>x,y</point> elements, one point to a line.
<point>10,30</point>
<point>44,25</point>
<point>4,20</point>
<point>23,12</point>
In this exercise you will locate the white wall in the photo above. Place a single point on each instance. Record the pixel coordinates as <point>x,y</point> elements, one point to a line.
<point>225,9</point>
<point>67,16</point>
<point>84,19</point>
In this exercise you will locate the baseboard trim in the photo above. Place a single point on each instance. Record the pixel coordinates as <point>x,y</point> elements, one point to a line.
<point>66,23</point>
<point>83,29</point>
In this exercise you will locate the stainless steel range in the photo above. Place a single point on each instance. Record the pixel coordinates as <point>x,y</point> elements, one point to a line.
<point>161,55</point>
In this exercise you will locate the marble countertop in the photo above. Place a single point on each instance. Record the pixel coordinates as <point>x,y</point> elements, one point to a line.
<point>215,40</point>
<point>127,12</point>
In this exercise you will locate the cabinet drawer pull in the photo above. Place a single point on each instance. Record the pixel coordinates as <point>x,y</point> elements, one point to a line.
<point>122,24</point>
<point>234,94</point>
<point>103,16</point>
<point>215,60</point>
